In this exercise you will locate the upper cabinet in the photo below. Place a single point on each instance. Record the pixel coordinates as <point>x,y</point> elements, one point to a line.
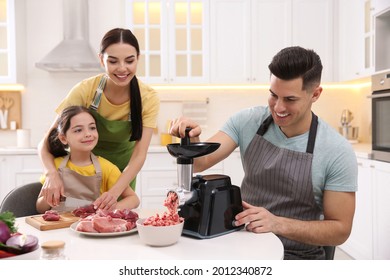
<point>354,39</point>
<point>7,42</point>
<point>173,36</point>
<point>246,34</point>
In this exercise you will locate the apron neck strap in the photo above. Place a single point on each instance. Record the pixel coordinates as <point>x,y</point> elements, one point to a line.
<point>312,133</point>
<point>98,93</point>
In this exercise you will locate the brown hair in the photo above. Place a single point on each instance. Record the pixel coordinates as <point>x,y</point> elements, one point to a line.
<point>56,148</point>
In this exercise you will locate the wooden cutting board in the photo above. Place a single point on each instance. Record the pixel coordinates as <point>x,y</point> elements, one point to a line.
<point>66,219</point>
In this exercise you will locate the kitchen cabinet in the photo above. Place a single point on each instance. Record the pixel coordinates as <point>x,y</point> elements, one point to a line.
<point>381,211</point>
<point>173,36</point>
<point>17,170</point>
<point>7,42</point>
<point>246,34</point>
<point>360,243</point>
<point>378,6</point>
<point>354,57</point>
<point>369,238</point>
<point>232,167</point>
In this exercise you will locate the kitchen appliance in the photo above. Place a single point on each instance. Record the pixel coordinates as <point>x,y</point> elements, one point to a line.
<point>380,84</point>
<point>346,129</point>
<point>73,53</point>
<point>208,203</point>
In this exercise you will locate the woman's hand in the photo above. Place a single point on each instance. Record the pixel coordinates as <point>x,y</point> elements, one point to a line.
<point>257,219</point>
<point>106,201</point>
<point>178,128</point>
<point>53,189</point>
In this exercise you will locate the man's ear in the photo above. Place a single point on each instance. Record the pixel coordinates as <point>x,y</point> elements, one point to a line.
<point>316,94</point>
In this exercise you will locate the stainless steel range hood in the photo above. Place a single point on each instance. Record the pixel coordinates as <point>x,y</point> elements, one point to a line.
<point>74,53</point>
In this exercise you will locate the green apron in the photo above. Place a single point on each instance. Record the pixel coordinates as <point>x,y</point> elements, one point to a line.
<point>113,144</point>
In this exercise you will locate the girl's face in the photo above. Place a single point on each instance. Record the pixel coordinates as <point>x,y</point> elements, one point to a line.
<point>120,62</point>
<point>82,134</point>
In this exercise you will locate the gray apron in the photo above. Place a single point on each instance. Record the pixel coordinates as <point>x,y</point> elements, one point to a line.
<point>113,144</point>
<point>80,186</point>
<point>280,180</point>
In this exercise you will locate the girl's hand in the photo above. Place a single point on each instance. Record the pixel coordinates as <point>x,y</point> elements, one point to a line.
<point>106,201</point>
<point>52,189</point>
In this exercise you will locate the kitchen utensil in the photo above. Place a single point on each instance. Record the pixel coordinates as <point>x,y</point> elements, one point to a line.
<point>66,219</point>
<point>346,117</point>
<point>7,103</point>
<point>71,203</point>
<point>207,203</point>
<point>159,235</point>
<point>2,120</point>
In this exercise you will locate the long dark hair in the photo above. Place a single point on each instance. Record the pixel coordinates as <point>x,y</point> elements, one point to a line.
<point>56,148</point>
<point>120,35</point>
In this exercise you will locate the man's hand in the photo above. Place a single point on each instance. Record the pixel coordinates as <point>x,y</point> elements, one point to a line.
<point>178,128</point>
<point>257,219</point>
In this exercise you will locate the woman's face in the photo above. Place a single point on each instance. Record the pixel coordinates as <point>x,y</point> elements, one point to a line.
<point>82,134</point>
<point>120,62</point>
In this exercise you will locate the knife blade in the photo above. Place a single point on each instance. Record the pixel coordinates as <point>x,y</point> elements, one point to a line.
<point>70,203</point>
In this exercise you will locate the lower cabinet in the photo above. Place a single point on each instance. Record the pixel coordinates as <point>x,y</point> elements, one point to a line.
<point>17,170</point>
<point>381,211</point>
<point>360,243</point>
<point>369,238</point>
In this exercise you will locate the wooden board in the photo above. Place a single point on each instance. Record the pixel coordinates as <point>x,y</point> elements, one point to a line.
<point>66,219</point>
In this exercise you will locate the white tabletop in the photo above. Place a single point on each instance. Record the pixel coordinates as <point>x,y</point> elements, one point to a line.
<point>233,246</point>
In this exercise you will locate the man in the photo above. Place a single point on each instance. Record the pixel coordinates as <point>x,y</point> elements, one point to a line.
<point>300,174</point>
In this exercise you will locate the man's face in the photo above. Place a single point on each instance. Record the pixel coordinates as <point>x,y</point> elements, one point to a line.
<point>291,106</point>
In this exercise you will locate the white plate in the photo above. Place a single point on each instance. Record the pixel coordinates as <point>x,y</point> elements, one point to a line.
<point>103,234</point>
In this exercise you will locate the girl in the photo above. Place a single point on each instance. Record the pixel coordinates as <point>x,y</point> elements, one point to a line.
<point>85,175</point>
<point>126,112</point>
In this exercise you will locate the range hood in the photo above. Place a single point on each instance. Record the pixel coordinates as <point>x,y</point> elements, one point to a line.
<point>73,53</point>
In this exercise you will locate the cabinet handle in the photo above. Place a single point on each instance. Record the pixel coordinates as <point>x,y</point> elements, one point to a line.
<point>360,164</point>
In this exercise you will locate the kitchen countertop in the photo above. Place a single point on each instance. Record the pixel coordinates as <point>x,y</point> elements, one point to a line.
<point>232,246</point>
<point>18,151</point>
<point>362,150</point>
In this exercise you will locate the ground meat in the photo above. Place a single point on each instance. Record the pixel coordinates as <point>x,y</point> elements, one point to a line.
<point>168,218</point>
<point>51,215</point>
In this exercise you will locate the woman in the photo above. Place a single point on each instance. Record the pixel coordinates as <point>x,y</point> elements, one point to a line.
<point>85,176</point>
<point>126,111</point>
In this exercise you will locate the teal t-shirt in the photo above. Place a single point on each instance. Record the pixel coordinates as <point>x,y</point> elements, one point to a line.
<point>334,166</point>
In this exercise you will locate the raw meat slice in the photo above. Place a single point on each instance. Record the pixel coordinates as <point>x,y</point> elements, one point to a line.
<point>85,226</point>
<point>51,215</point>
<point>109,224</point>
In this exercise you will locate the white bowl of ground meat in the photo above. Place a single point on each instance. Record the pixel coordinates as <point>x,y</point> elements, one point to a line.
<point>159,233</point>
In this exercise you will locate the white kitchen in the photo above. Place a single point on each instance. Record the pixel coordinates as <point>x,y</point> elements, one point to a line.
<point>207,59</point>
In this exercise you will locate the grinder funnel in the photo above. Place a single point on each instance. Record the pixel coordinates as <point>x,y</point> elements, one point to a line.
<point>189,150</point>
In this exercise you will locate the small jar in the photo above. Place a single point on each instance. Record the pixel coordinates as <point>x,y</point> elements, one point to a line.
<point>53,250</point>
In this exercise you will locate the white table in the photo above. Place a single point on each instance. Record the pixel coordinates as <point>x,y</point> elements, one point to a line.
<point>233,246</point>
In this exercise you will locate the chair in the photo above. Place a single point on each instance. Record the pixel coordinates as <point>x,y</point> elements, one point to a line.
<point>329,252</point>
<point>21,201</point>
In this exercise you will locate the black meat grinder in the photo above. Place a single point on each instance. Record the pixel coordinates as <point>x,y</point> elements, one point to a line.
<point>208,203</point>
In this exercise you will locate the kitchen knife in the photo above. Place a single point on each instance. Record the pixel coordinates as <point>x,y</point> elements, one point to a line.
<point>71,203</point>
